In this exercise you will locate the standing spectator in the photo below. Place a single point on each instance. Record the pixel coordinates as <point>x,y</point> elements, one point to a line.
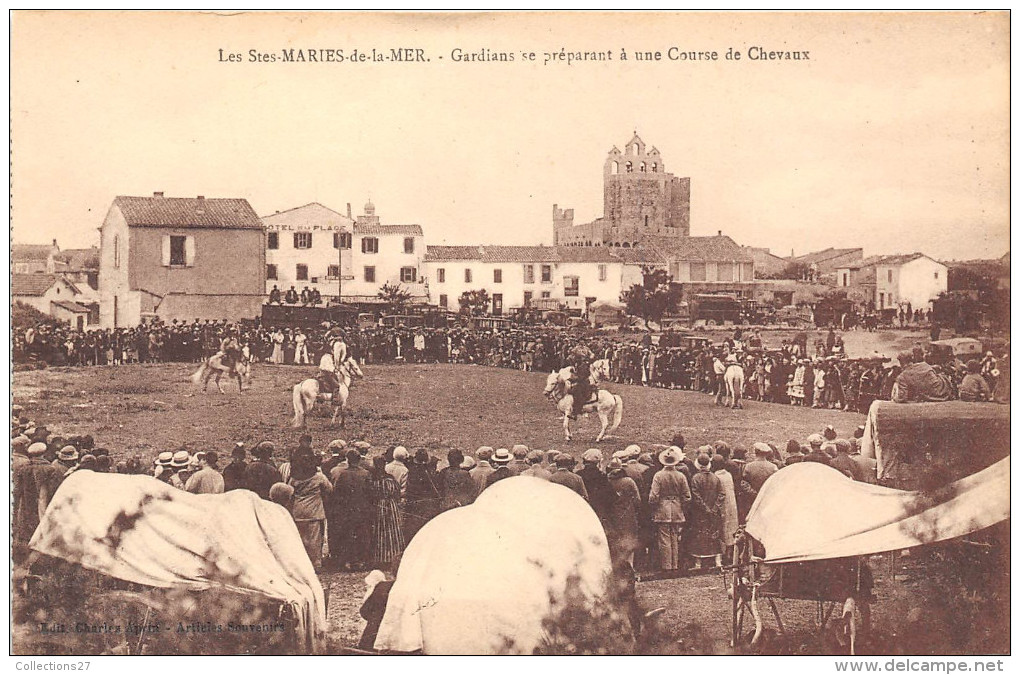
<point>536,470</point>
<point>667,498</point>
<point>520,461</point>
<point>262,474</point>
<point>35,481</point>
<point>233,473</point>
<point>278,338</point>
<point>353,500</point>
<point>311,490</point>
<point>761,468</point>
<point>398,469</point>
<point>207,480</point>
<point>483,469</point>
<point>621,524</point>
<point>421,502</point>
<point>501,458</point>
<point>301,348</point>
<point>705,524</point>
<point>565,476</point>
<point>387,533</point>
<point>600,494</point>
<point>456,486</point>
<point>729,506</point>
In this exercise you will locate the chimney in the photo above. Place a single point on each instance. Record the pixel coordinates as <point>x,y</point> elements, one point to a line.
<point>201,204</point>
<point>54,243</point>
<point>158,195</point>
<point>720,233</point>
<point>201,198</point>
<point>349,211</point>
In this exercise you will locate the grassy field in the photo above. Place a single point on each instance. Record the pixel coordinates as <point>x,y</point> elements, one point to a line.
<point>143,409</point>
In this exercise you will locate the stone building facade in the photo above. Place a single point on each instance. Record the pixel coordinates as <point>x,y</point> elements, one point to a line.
<point>640,200</point>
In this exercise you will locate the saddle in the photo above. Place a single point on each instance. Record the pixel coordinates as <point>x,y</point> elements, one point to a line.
<point>327,384</point>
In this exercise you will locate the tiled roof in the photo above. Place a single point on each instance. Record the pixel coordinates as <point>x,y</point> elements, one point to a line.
<point>80,258</point>
<point>827,254</point>
<point>405,230</point>
<point>874,260</point>
<point>31,284</point>
<point>230,214</point>
<point>719,248</point>
<point>25,252</point>
<point>70,306</point>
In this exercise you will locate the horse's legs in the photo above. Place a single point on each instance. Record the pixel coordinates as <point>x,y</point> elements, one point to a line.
<point>566,424</point>
<point>604,419</point>
<point>219,386</point>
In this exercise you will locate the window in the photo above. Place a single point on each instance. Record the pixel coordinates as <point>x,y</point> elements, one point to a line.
<point>273,240</point>
<point>369,274</point>
<point>936,275</point>
<point>333,272</point>
<point>177,255</point>
<point>408,244</point>
<point>408,275</point>
<point>271,272</point>
<point>527,298</point>
<point>302,272</point>
<point>497,304</point>
<point>603,273</point>
<point>546,274</point>
<point>644,169</point>
<point>441,275</point>
<point>724,271</point>
<point>341,240</point>
<point>889,275</point>
<point>881,300</point>
<point>571,287</point>
<point>646,221</point>
<point>698,271</point>
<point>116,250</point>
<point>497,276</point>
<point>630,167</point>
<point>748,272</point>
<point>467,276</point>
<point>302,240</point>
<point>529,274</point>
<point>846,279</point>
<point>546,294</point>
<point>444,301</point>
<point>369,245</point>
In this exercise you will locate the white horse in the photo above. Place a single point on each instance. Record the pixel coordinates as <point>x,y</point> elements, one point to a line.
<point>734,378</point>
<point>214,368</point>
<point>557,388</point>
<point>307,392</point>
<point>600,371</point>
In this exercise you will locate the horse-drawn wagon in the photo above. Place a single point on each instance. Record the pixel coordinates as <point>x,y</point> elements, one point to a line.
<point>811,530</point>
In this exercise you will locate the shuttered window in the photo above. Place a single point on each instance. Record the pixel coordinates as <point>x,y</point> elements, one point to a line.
<point>178,251</point>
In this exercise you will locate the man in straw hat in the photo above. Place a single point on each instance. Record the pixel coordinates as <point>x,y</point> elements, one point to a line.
<point>666,500</point>
<point>35,481</point>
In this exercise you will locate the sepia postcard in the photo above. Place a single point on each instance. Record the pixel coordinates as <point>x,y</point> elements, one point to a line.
<point>504,333</point>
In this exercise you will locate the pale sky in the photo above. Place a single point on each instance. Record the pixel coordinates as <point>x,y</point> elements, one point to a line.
<point>894,136</point>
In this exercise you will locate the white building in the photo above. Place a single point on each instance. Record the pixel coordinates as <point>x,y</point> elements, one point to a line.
<point>577,277</point>
<point>53,295</point>
<point>313,246</point>
<point>519,276</point>
<point>896,280</point>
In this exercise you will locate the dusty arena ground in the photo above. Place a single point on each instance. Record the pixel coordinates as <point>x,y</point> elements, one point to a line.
<point>144,409</point>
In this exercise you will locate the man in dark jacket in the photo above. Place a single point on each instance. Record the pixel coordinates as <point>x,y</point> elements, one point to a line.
<point>352,501</point>
<point>262,474</point>
<point>234,473</point>
<point>600,493</point>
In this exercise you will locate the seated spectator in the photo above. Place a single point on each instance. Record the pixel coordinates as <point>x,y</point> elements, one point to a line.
<point>973,387</point>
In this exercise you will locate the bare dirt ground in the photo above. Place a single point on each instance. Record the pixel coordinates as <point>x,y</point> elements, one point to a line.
<point>143,409</point>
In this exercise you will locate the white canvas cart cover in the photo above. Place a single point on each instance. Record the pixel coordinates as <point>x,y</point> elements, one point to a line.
<point>810,511</point>
<point>477,575</point>
<point>144,531</point>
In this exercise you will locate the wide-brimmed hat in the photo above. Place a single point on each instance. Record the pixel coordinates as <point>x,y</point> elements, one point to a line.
<point>164,458</point>
<point>592,455</point>
<point>670,456</point>
<point>68,453</point>
<point>502,456</point>
<point>181,459</point>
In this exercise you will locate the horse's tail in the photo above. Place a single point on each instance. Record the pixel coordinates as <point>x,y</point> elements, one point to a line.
<point>299,407</point>
<point>197,376</point>
<point>617,412</point>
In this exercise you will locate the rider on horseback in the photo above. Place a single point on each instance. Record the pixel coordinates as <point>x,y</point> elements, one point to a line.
<point>230,347</point>
<point>327,376</point>
<point>581,388</point>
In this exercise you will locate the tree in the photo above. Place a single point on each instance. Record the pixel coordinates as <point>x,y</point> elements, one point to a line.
<point>654,297</point>
<point>475,303</point>
<point>395,296</point>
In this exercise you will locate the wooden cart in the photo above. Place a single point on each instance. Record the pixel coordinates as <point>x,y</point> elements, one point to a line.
<point>841,582</point>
